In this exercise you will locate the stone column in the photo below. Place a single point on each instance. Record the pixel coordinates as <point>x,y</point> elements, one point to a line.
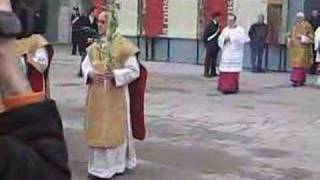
<point>64,29</point>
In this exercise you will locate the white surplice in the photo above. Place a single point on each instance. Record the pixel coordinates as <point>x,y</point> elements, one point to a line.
<point>232,52</point>
<point>105,163</point>
<point>317,44</point>
<point>40,57</point>
<point>317,49</point>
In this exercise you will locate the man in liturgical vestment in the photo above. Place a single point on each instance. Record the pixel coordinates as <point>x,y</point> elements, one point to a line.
<point>231,41</point>
<point>300,46</point>
<point>33,51</point>
<point>31,133</point>
<point>114,75</point>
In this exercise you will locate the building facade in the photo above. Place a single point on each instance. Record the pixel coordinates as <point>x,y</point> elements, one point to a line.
<point>280,17</point>
<point>59,18</point>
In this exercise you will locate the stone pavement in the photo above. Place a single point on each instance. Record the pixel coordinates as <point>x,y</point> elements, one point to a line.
<point>269,131</point>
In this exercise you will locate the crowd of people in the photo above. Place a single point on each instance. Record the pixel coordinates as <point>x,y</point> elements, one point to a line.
<point>303,42</point>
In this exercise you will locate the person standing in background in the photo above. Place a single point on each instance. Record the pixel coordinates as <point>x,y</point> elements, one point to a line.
<point>258,34</point>
<point>75,24</point>
<point>231,41</point>
<point>300,47</point>
<point>210,39</point>
<point>92,19</point>
<point>88,30</point>
<point>34,52</point>
<point>317,54</point>
<point>314,20</point>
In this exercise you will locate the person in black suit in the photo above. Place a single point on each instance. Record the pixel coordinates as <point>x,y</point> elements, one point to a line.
<point>88,31</point>
<point>93,21</point>
<point>75,24</point>
<point>210,39</point>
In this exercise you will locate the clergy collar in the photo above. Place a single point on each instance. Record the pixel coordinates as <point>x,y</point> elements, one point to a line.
<point>214,21</point>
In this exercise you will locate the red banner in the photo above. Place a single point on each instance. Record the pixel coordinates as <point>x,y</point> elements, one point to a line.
<point>153,17</point>
<point>220,6</point>
<point>206,8</point>
<point>99,4</point>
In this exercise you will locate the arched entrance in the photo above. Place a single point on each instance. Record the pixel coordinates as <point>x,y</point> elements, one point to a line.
<point>310,5</point>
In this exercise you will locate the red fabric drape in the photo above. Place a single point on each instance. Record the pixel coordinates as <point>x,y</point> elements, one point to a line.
<point>137,91</point>
<point>153,18</point>
<point>217,6</point>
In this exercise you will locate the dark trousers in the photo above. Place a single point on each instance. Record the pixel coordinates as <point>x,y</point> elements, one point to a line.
<point>257,51</point>
<point>211,61</point>
<point>75,48</point>
<point>83,56</point>
<point>314,67</point>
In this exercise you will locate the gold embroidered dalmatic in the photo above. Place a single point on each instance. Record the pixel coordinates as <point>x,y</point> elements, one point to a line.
<point>106,113</point>
<point>28,46</point>
<point>300,54</point>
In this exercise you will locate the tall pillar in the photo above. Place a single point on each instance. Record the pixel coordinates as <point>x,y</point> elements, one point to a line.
<point>53,14</point>
<point>65,22</point>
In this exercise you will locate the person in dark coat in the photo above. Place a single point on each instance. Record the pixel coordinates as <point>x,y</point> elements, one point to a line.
<point>89,31</point>
<point>258,34</point>
<point>315,22</point>
<point>210,39</point>
<point>315,19</point>
<point>31,135</point>
<point>93,21</point>
<point>75,24</point>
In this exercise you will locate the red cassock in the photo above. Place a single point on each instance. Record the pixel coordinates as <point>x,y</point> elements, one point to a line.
<point>40,82</point>
<point>137,91</point>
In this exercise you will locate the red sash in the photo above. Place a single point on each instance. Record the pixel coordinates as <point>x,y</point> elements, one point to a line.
<point>137,91</point>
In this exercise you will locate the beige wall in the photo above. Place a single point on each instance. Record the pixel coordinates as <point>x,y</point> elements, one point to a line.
<point>248,10</point>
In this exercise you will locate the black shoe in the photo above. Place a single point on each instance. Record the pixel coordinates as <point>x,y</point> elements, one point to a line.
<point>80,74</point>
<point>213,75</point>
<point>261,71</point>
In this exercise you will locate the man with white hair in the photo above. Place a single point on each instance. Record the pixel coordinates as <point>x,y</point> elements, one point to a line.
<point>258,35</point>
<point>300,42</point>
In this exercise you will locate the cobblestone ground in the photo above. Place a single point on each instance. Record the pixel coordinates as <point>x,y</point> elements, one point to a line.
<point>270,131</point>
